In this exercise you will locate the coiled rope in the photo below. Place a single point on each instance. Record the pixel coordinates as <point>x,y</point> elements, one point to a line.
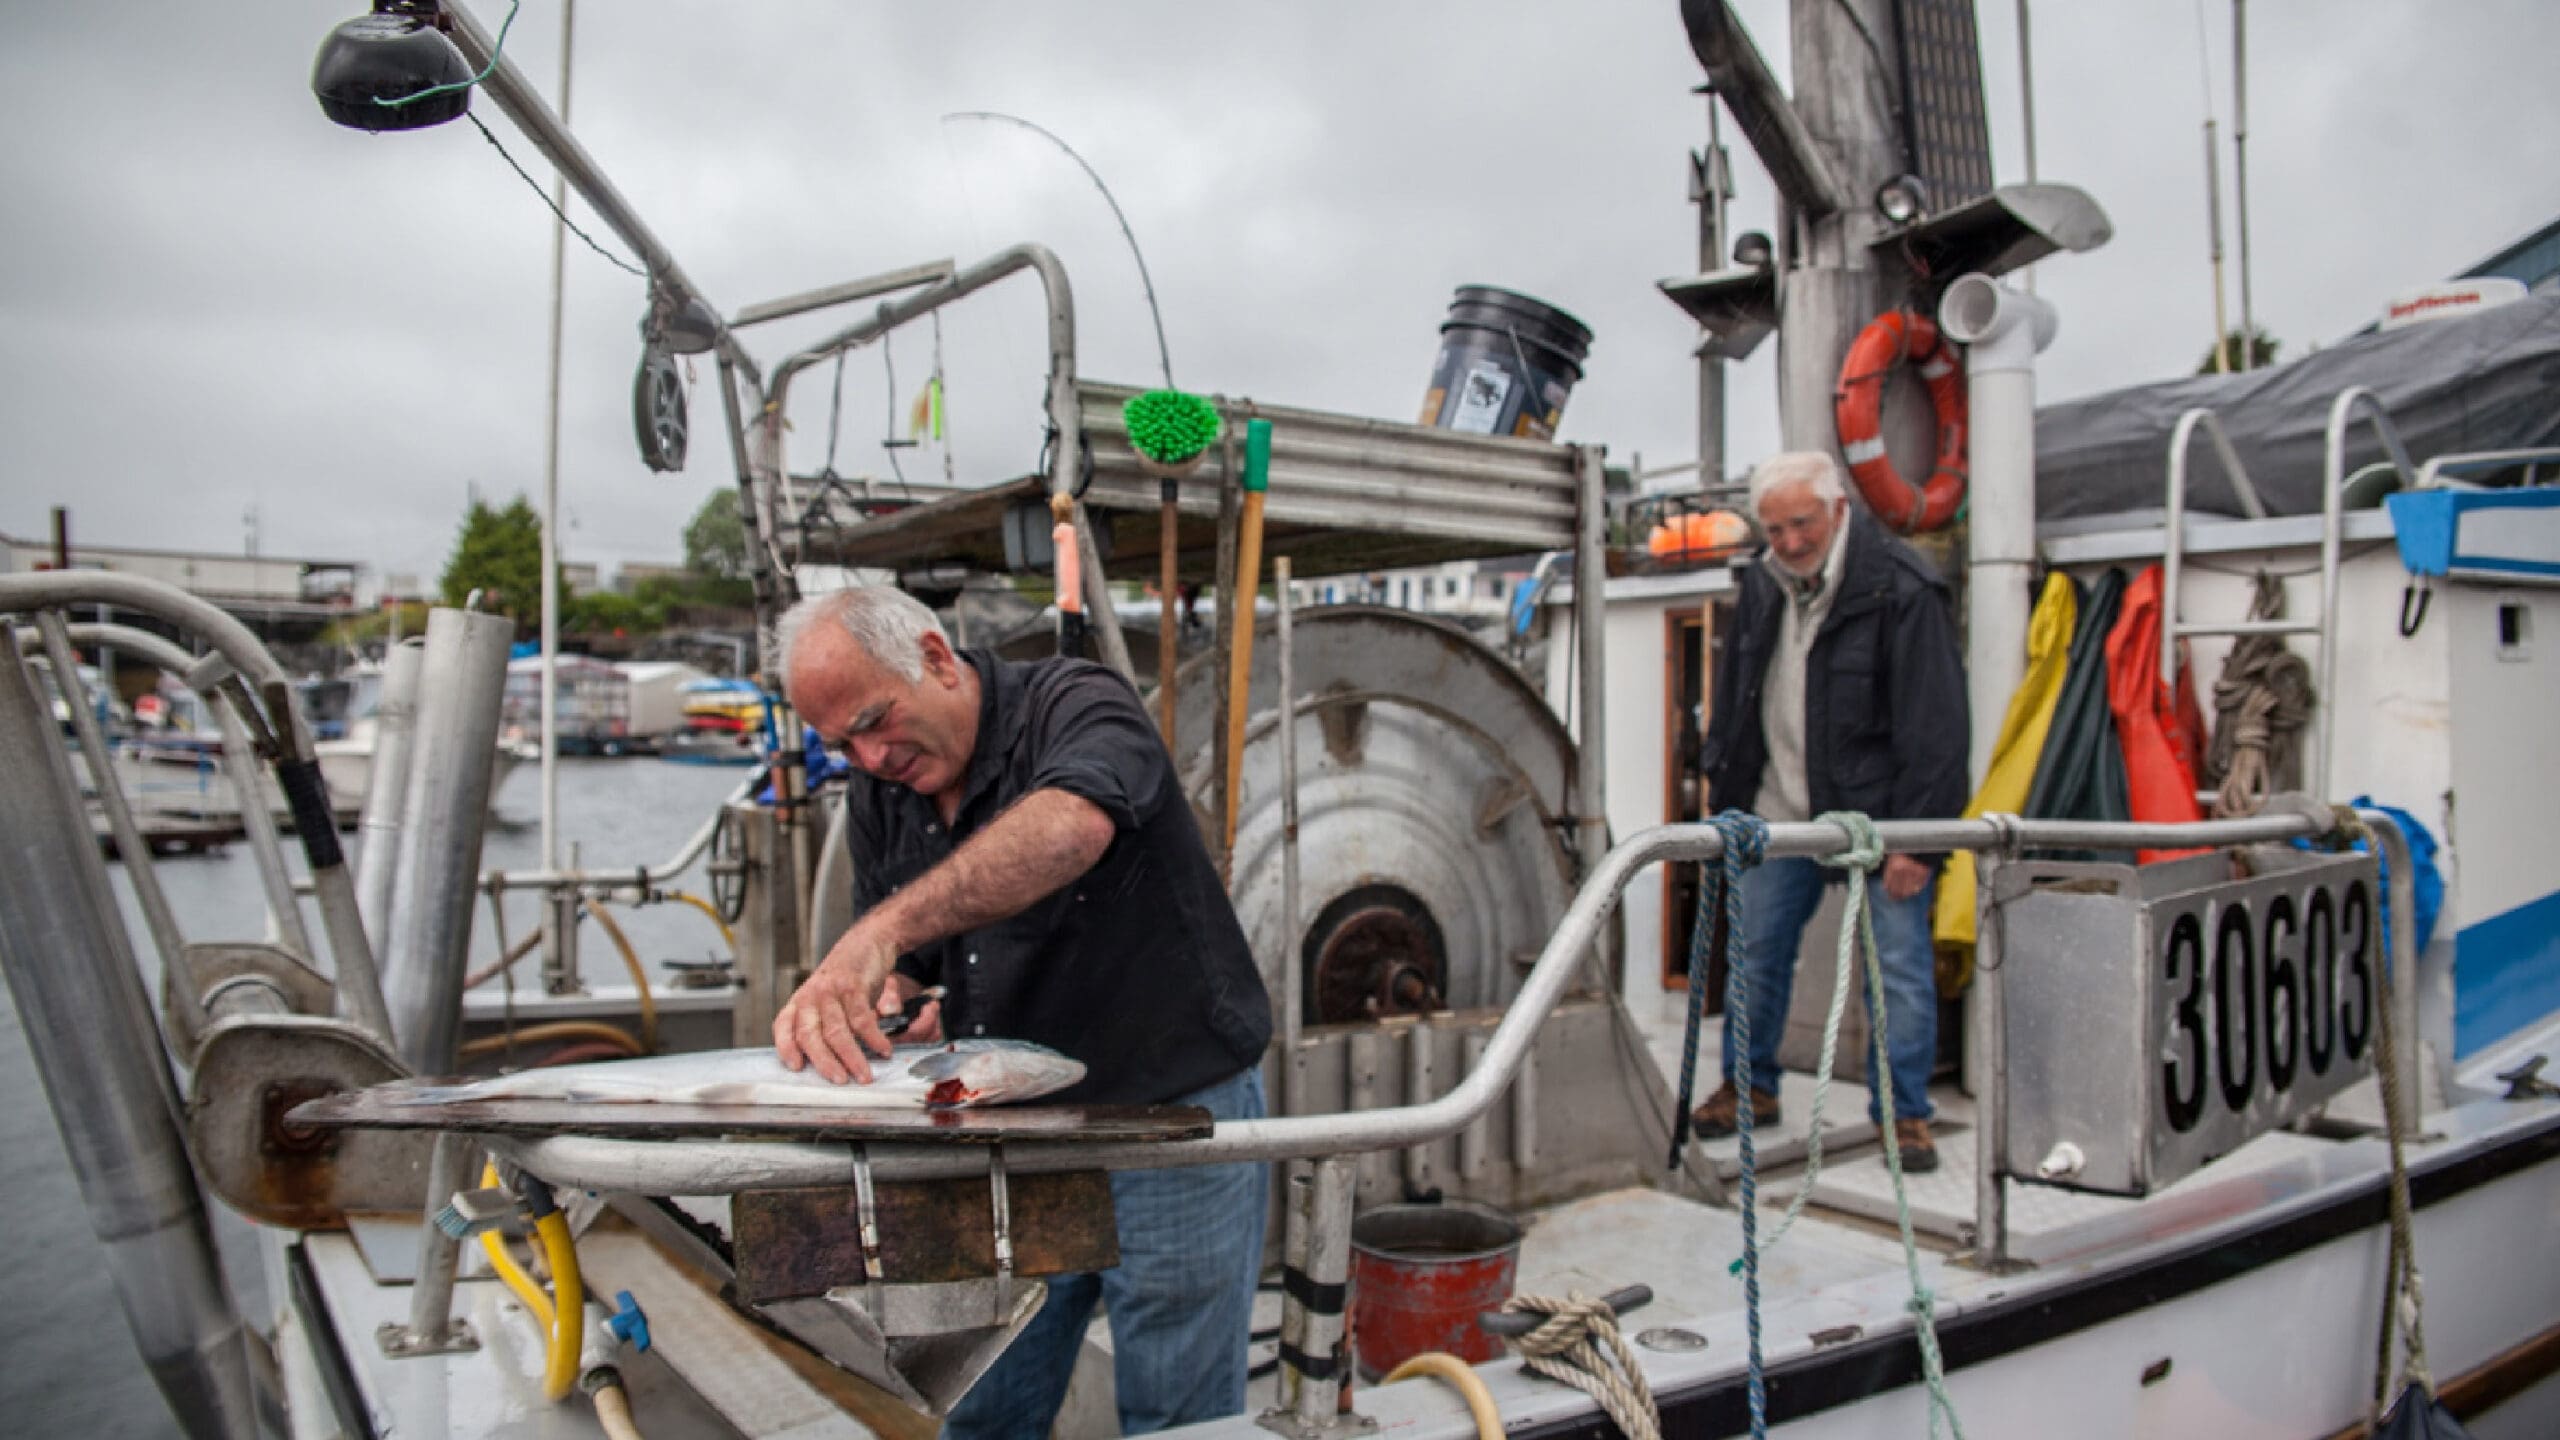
<point>2261,703</point>
<point>1578,1343</point>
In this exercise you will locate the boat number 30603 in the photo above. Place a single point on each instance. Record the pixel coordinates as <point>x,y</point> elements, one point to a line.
<point>2263,992</point>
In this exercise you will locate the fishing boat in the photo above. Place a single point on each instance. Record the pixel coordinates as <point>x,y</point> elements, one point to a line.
<point>2212,1115</point>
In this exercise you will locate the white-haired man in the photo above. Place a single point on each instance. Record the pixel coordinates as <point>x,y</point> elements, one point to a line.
<point>1838,687</point>
<point>1020,839</point>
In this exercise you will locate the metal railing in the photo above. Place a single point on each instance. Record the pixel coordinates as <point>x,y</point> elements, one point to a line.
<point>238,657</point>
<point>2439,470</point>
<point>2323,624</point>
<point>723,1167</point>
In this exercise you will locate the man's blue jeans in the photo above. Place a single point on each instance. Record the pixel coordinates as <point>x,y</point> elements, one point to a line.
<point>1180,1300</point>
<point>1778,897</point>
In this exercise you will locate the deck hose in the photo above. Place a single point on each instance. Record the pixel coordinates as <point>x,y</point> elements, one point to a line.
<point>1468,1383</point>
<point>561,1314</point>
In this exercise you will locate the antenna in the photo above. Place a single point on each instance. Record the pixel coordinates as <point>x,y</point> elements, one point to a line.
<point>1163,356</point>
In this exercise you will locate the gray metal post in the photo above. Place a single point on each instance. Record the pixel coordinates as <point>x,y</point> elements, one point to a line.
<point>1297,1208</point>
<point>240,762</point>
<point>1990,1041</point>
<point>461,683</point>
<point>1292,1004</point>
<point>1591,624</point>
<point>1843,93</point>
<point>395,723</point>
<point>432,1330</point>
<point>1711,178</point>
<point>70,968</point>
<point>1328,1271</point>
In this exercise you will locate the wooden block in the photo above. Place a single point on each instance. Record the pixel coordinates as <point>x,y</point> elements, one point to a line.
<point>807,1241</point>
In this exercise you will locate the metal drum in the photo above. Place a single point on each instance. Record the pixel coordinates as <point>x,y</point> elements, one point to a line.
<point>1430,776</point>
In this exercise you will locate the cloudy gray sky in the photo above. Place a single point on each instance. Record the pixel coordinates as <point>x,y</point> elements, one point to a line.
<point>213,300</point>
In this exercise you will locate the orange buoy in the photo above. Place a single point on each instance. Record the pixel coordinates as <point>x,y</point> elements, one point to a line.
<point>1858,411</point>
<point>1710,535</point>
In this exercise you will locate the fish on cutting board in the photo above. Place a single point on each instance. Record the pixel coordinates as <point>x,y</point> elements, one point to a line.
<point>951,1075</point>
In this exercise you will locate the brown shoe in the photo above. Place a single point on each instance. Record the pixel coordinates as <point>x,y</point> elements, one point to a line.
<point>1721,1115</point>
<point>1919,1151</point>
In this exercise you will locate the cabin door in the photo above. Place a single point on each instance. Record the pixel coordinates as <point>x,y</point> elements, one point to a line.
<point>1689,640</point>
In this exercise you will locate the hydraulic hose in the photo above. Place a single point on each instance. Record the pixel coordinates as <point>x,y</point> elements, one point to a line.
<point>727,935</point>
<point>569,1305</point>
<point>639,976</point>
<point>1462,1376</point>
<point>563,1313</point>
<point>613,1035</point>
<point>494,1245</point>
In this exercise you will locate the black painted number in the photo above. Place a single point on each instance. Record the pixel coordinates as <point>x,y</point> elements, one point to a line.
<point>2235,967</point>
<point>2182,1075</point>
<point>2319,981</point>
<point>2284,993</point>
<point>2355,934</point>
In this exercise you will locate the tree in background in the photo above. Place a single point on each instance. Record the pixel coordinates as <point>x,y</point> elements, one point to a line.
<point>715,539</point>
<point>499,554</point>
<point>715,549</point>
<point>2262,352</point>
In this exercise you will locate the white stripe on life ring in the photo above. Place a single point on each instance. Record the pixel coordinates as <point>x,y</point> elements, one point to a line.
<point>1862,451</point>
<point>1937,370</point>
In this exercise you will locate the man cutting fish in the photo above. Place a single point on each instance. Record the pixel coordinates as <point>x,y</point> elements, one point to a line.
<point>1020,839</point>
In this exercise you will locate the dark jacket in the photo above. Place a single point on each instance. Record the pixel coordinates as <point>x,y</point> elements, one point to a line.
<point>1138,967</point>
<point>1884,712</point>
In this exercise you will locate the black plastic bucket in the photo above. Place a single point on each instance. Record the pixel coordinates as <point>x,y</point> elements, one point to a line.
<point>1507,362</point>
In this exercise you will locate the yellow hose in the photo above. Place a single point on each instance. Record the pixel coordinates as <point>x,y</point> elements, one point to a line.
<point>494,1246</point>
<point>551,1030</point>
<point>639,976</point>
<point>560,1318</point>
<point>727,936</point>
<point>568,1308</point>
<point>1463,1376</point>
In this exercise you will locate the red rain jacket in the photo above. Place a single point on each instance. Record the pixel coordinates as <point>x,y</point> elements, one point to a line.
<point>2161,732</point>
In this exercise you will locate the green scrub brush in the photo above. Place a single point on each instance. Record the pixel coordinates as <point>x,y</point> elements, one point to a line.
<point>1170,430</point>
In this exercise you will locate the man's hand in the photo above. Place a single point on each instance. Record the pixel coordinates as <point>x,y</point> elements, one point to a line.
<point>831,1021</point>
<point>1904,876</point>
<point>926,1028</point>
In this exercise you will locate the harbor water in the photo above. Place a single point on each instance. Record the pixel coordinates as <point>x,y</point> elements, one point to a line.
<point>67,1363</point>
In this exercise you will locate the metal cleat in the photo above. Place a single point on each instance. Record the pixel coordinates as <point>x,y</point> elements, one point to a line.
<point>2525,1082</point>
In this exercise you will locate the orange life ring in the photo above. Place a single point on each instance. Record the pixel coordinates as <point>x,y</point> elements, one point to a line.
<point>1858,410</point>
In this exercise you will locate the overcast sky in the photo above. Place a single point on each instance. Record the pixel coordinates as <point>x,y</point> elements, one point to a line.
<point>213,301</point>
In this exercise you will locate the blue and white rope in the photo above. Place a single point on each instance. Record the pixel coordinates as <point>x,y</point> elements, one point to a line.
<point>1865,852</point>
<point>1745,840</point>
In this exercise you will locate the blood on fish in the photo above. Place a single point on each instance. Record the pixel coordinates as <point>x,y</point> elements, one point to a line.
<point>948,1093</point>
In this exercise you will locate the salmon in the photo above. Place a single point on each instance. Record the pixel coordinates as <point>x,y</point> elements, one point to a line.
<point>953,1075</point>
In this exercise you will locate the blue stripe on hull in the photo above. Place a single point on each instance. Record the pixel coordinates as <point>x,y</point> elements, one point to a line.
<point>2506,973</point>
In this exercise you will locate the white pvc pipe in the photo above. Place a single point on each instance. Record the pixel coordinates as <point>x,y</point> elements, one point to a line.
<point>2002,331</point>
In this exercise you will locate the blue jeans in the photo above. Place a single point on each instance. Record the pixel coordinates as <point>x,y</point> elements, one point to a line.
<point>1180,1300</point>
<point>1778,897</point>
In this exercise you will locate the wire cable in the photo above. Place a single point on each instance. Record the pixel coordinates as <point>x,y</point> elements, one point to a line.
<point>545,197</point>
<point>495,50</point>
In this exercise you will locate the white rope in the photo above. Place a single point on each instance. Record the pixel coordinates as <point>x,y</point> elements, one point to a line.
<point>1568,1346</point>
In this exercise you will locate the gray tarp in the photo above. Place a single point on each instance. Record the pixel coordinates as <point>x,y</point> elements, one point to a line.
<point>2489,381</point>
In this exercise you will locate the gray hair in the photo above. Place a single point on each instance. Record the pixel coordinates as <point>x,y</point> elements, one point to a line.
<point>1797,467</point>
<point>888,623</point>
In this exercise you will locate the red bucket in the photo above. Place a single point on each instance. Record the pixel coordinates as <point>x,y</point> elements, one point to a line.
<point>1420,1275</point>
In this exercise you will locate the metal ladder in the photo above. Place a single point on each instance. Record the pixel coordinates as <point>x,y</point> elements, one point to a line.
<point>2323,625</point>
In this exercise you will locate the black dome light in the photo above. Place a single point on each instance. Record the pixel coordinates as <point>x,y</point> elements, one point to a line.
<point>397,51</point>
